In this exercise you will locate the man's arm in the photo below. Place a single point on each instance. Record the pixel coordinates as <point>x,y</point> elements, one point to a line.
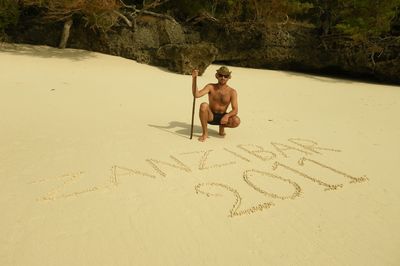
<point>196,93</point>
<point>235,109</point>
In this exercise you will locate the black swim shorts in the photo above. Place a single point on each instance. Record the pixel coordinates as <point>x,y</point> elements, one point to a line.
<point>217,119</point>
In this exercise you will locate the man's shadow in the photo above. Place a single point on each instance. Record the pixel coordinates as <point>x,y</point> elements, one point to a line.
<point>183,129</point>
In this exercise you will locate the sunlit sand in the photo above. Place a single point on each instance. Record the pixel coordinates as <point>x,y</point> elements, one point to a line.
<point>97,168</point>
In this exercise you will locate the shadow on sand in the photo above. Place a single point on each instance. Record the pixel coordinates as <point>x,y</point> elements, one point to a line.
<point>182,129</point>
<point>45,51</point>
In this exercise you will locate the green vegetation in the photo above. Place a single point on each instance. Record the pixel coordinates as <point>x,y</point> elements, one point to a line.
<point>236,10</point>
<point>359,19</point>
<point>9,14</point>
<point>97,13</point>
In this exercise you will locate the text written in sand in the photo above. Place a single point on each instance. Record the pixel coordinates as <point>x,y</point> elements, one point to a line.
<point>280,170</point>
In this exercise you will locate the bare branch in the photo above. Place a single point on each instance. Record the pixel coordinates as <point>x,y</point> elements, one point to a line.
<point>158,15</point>
<point>124,18</point>
<point>127,6</point>
<point>286,20</point>
<point>154,4</point>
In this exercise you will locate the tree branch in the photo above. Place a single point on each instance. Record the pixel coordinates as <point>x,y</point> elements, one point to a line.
<point>124,18</point>
<point>158,15</point>
<point>154,4</point>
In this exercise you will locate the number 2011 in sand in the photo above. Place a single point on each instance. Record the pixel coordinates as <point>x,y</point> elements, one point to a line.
<point>236,211</point>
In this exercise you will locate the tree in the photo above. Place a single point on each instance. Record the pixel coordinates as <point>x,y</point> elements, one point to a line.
<point>366,18</point>
<point>97,13</point>
<point>360,19</point>
<point>9,14</point>
<point>100,14</point>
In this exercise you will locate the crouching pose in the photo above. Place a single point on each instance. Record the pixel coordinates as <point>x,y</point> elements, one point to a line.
<point>220,96</point>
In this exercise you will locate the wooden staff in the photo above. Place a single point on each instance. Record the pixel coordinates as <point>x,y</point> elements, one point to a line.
<point>191,128</point>
<point>194,104</point>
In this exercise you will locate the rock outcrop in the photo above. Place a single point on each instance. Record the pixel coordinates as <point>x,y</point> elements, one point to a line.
<point>164,42</point>
<point>300,48</point>
<point>187,57</point>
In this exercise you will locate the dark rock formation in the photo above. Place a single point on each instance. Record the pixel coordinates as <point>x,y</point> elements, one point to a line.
<point>164,42</point>
<point>153,40</point>
<point>187,57</point>
<point>299,48</point>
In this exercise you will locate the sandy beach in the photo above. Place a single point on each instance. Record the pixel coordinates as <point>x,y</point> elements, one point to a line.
<point>97,168</point>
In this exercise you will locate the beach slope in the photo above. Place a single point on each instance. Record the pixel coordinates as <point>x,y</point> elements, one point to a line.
<point>97,168</point>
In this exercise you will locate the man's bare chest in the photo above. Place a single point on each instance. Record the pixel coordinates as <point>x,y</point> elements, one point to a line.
<point>221,97</point>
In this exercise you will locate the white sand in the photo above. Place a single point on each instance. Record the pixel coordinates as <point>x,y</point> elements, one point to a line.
<point>72,124</point>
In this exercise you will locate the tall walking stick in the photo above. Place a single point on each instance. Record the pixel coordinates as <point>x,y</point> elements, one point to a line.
<point>191,128</point>
<point>194,86</point>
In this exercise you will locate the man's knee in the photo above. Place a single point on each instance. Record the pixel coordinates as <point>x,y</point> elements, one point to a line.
<point>235,121</point>
<point>204,107</point>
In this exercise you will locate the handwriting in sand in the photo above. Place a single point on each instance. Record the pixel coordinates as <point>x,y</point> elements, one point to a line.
<point>280,171</point>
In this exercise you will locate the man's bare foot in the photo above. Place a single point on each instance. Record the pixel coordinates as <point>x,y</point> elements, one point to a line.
<point>202,138</point>
<point>222,131</point>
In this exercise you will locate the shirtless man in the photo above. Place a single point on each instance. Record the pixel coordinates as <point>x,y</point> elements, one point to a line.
<point>220,96</point>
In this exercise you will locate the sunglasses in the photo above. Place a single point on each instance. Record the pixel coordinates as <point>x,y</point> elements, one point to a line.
<point>225,76</point>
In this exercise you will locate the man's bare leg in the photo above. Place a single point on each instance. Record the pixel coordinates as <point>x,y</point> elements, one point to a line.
<point>222,131</point>
<point>204,118</point>
<point>232,123</point>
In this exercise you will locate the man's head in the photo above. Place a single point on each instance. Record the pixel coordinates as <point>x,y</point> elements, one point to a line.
<point>223,74</point>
